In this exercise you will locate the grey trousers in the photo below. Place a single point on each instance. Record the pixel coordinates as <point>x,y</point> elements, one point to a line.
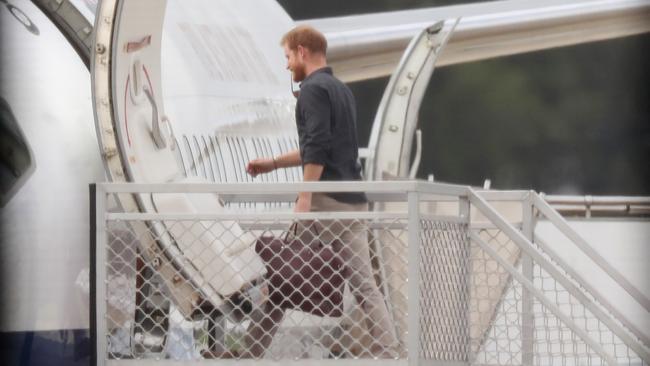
<point>354,235</point>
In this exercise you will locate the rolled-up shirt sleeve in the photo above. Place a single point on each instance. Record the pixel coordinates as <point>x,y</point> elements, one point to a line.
<point>316,110</point>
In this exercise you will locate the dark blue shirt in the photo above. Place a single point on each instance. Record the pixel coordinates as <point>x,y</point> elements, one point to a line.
<point>327,130</point>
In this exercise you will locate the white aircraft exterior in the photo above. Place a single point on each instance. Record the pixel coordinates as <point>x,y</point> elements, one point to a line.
<point>214,74</point>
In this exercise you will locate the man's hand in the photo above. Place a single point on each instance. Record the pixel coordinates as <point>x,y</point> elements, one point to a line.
<point>303,204</point>
<point>258,166</point>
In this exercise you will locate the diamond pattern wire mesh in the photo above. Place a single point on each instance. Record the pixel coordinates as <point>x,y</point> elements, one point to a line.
<point>557,337</point>
<point>499,341</point>
<point>239,311</point>
<point>495,304</point>
<point>470,306</point>
<point>443,291</point>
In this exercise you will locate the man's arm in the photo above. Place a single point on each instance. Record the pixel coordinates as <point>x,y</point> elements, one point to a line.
<point>288,160</point>
<point>265,165</point>
<point>316,110</point>
<point>310,173</point>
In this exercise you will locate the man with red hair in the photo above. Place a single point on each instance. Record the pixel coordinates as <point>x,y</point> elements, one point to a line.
<point>327,131</point>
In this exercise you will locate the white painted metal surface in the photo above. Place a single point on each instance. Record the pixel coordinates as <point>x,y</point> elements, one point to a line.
<point>44,227</point>
<point>367,46</point>
<point>588,250</point>
<point>625,245</point>
<point>209,128</point>
<point>394,126</point>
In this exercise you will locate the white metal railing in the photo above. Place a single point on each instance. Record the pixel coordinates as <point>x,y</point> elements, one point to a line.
<point>185,282</point>
<point>592,206</point>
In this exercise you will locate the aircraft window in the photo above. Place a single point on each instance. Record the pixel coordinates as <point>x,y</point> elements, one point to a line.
<point>16,162</point>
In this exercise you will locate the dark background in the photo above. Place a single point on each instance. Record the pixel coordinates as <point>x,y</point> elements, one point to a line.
<point>572,120</point>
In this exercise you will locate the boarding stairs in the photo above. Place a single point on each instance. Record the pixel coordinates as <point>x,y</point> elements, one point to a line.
<point>466,274</point>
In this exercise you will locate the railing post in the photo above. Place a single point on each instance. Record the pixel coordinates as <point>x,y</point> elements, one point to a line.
<point>527,316</point>
<point>413,338</point>
<point>464,213</point>
<point>93,271</point>
<point>100,274</point>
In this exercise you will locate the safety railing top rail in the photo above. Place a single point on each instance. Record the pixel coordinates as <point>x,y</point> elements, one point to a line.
<point>393,191</point>
<point>597,200</point>
<point>273,188</point>
<point>599,206</point>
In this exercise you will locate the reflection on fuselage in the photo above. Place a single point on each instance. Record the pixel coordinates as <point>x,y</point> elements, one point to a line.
<point>44,225</point>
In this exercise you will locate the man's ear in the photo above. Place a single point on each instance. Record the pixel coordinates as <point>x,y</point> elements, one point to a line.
<point>301,51</point>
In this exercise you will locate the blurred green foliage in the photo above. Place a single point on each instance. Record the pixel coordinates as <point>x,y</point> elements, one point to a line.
<point>572,120</point>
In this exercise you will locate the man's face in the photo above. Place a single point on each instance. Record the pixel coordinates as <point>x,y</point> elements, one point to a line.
<point>295,62</point>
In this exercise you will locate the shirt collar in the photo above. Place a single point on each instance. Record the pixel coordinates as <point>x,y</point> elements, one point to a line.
<point>326,69</point>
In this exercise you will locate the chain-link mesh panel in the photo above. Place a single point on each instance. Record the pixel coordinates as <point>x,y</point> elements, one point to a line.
<point>322,289</point>
<point>249,285</point>
<point>495,304</point>
<point>444,291</point>
<point>497,324</point>
<point>554,337</point>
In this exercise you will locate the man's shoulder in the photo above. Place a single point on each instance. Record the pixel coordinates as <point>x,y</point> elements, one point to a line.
<point>313,88</point>
<point>323,79</point>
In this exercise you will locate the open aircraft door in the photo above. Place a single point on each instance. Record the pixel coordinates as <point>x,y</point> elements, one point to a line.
<point>182,93</point>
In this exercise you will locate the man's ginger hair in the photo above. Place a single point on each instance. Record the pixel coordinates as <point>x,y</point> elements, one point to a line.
<point>306,36</point>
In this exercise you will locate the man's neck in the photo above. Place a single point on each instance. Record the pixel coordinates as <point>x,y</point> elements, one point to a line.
<point>311,67</point>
